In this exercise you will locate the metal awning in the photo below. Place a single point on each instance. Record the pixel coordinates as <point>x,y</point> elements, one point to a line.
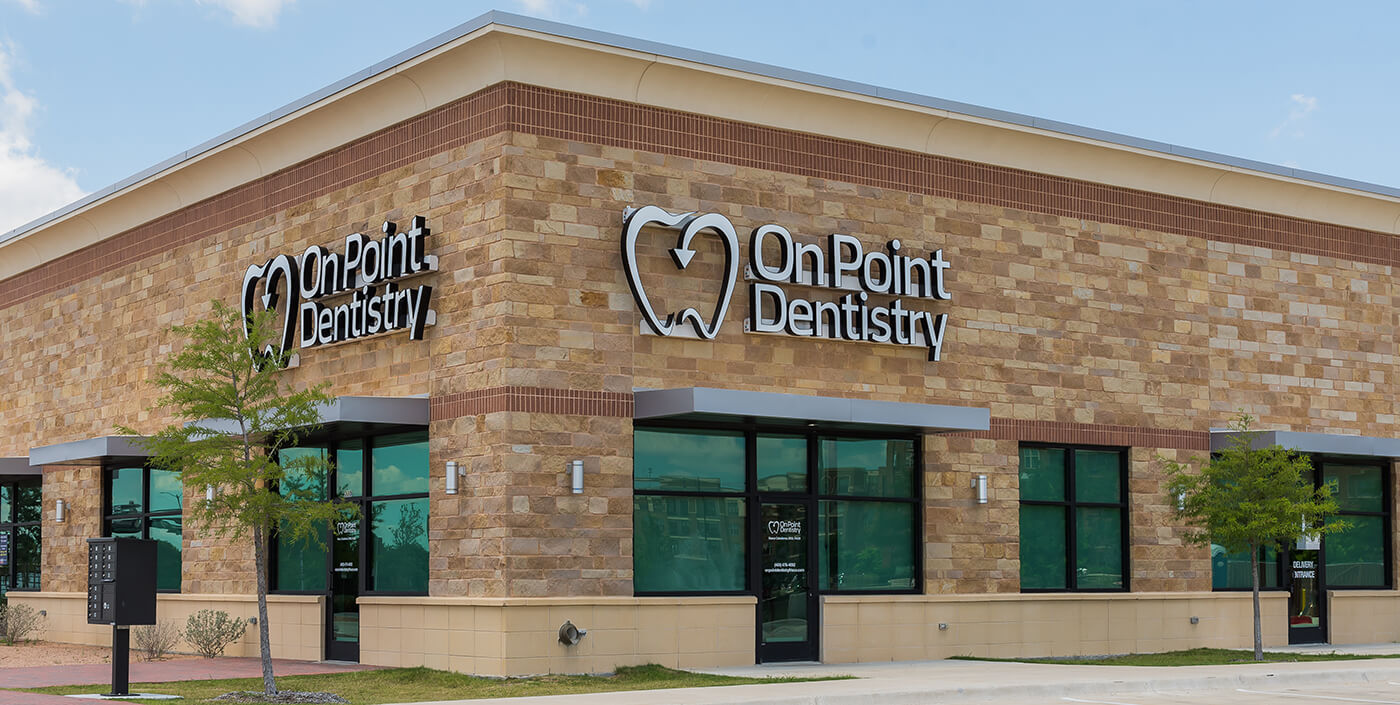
<point>90,451</point>
<point>352,414</point>
<point>18,467</point>
<point>705,403</point>
<point>1321,443</point>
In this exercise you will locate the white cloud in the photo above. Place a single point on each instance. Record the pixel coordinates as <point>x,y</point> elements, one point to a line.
<point>29,186</point>
<point>553,9</point>
<point>30,5</point>
<point>253,13</point>
<point>1292,126</point>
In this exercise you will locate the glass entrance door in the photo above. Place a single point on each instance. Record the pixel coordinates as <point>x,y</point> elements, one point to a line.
<point>343,636</point>
<point>787,604</point>
<point>1306,597</point>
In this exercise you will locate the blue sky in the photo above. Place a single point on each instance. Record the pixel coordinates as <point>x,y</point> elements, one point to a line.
<point>92,91</point>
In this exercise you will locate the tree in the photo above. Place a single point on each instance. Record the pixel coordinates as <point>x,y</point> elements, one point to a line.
<point>226,392</point>
<point>1247,499</point>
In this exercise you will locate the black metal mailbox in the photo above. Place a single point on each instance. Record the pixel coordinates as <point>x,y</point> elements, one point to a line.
<point>121,581</point>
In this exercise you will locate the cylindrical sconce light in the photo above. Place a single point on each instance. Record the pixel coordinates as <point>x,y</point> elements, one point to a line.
<point>576,467</point>
<point>1181,501</point>
<point>980,482</point>
<point>60,511</point>
<point>451,477</point>
<point>208,493</point>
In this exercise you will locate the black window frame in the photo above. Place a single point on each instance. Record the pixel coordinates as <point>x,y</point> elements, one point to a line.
<point>9,523</point>
<point>1319,461</point>
<point>1071,505</point>
<point>145,516</point>
<point>332,444</point>
<point>812,497</point>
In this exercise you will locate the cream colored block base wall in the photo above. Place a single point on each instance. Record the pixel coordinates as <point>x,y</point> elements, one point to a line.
<point>1363,616</point>
<point>294,621</point>
<point>520,636</point>
<point>905,628</point>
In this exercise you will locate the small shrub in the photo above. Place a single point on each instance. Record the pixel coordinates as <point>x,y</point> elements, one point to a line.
<point>211,631</point>
<point>18,622</point>
<point>156,640</point>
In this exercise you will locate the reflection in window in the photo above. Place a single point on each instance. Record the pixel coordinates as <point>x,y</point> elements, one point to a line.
<point>1357,557</point>
<point>688,461</point>
<point>399,552</point>
<point>1231,571</point>
<point>1073,510</point>
<point>145,503</point>
<point>20,545</point>
<point>689,543</point>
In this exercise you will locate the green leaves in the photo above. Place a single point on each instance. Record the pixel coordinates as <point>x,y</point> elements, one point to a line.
<point>1245,497</point>
<point>232,408</point>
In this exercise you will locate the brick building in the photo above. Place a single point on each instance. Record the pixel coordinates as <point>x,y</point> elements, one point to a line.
<point>719,362</point>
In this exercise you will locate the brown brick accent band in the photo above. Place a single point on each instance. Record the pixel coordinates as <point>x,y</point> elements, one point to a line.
<point>1094,434</point>
<point>576,402</point>
<point>571,116</point>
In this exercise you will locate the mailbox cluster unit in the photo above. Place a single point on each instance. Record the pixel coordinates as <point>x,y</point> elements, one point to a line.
<point>121,581</point>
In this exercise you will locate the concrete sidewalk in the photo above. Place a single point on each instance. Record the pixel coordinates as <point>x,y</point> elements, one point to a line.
<point>973,681</point>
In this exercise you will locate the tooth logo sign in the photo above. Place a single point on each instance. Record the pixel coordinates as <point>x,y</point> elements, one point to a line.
<point>364,276</point>
<point>688,225</point>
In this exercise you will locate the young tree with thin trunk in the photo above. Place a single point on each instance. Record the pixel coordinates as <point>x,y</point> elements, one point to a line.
<point>1248,499</point>
<point>232,410</point>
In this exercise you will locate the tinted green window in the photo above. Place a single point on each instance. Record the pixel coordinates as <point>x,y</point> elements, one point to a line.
<point>1043,549</point>
<point>1358,488</point>
<point>1043,474</point>
<point>688,544</point>
<point>705,461</point>
<point>1356,557</point>
<point>867,468</point>
<point>1231,570</point>
<point>301,478</point>
<point>1096,476</point>
<point>865,545</point>
<point>400,464</point>
<point>782,463</point>
<point>166,491</point>
<point>29,504</point>
<point>1099,548</point>
<point>126,490</point>
<point>301,564</point>
<point>350,469</point>
<point>165,531</point>
<point>399,553</point>
<point>6,505</point>
<point>25,549</point>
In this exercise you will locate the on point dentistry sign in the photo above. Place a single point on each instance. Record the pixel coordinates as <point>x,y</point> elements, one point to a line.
<point>781,270</point>
<point>331,297</point>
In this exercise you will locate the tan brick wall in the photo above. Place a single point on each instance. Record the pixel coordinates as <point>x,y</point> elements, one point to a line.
<point>64,549</point>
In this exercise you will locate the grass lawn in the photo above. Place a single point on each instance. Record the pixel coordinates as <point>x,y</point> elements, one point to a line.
<point>1189,657</point>
<point>399,685</point>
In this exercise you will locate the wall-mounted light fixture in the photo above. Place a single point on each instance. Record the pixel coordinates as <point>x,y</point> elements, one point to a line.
<point>980,482</point>
<point>453,472</point>
<point>1181,501</point>
<point>60,511</point>
<point>208,493</point>
<point>576,468</point>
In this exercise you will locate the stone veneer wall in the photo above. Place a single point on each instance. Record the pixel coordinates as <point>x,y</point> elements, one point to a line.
<point>1080,313</point>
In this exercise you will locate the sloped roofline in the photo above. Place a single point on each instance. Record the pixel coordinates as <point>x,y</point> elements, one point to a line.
<point>617,41</point>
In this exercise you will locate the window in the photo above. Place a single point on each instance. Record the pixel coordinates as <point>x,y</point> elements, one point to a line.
<point>387,476</point>
<point>144,503</point>
<point>1358,557</point>
<point>1230,571</point>
<point>867,514</point>
<point>689,511</point>
<point>697,492</point>
<point>1073,518</point>
<point>20,509</point>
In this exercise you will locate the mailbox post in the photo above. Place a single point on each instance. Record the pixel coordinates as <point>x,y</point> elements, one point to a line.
<point>121,592</point>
